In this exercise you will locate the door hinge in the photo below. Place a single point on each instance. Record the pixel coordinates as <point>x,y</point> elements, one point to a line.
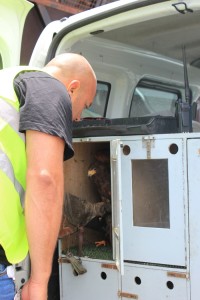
<point>109,266</point>
<point>127,295</point>
<point>178,275</point>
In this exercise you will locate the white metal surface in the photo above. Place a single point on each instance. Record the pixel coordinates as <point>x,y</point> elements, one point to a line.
<point>98,283</point>
<point>153,283</point>
<point>194,219</point>
<point>154,244</point>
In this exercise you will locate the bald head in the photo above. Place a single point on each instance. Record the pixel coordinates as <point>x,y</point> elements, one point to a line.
<point>70,66</point>
<point>75,72</point>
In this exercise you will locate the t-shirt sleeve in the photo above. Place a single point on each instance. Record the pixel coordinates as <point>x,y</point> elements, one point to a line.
<point>45,106</point>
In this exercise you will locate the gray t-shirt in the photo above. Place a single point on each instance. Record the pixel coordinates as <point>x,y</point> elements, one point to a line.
<point>45,106</point>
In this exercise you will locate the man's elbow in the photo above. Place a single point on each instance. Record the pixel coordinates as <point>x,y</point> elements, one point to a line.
<point>45,185</point>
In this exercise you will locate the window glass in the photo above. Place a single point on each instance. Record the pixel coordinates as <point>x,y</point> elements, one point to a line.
<point>152,99</point>
<point>150,193</point>
<point>99,105</point>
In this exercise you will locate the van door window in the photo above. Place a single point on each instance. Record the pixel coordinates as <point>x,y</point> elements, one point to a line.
<point>153,99</point>
<point>99,105</point>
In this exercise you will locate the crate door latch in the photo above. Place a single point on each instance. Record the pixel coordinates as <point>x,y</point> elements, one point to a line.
<point>148,143</point>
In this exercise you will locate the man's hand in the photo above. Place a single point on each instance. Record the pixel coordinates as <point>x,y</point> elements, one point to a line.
<point>34,290</point>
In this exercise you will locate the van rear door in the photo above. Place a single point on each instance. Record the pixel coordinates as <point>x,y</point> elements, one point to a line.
<point>12,19</point>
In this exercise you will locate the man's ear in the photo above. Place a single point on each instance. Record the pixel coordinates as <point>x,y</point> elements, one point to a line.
<point>73,86</point>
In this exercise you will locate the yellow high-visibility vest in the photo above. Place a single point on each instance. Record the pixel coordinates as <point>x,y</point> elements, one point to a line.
<point>12,170</point>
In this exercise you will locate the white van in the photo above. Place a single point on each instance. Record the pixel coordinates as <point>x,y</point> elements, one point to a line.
<point>146,55</point>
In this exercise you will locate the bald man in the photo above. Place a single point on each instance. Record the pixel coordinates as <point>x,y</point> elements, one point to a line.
<point>50,99</point>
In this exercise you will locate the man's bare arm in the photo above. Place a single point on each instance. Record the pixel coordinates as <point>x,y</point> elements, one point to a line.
<point>43,207</point>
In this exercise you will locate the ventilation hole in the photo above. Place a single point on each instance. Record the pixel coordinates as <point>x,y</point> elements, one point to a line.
<point>126,150</point>
<point>173,148</point>
<point>138,280</point>
<point>22,280</point>
<point>170,285</point>
<point>103,275</point>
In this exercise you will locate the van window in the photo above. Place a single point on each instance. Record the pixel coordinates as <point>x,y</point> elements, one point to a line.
<point>99,105</point>
<point>152,98</point>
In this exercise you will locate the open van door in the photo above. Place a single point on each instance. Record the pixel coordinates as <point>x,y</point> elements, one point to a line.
<point>12,19</point>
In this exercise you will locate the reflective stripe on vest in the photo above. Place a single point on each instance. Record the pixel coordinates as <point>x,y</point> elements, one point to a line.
<point>12,170</point>
<point>6,168</point>
<point>12,141</point>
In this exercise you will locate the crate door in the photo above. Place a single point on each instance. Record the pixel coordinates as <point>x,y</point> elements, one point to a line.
<point>116,204</point>
<point>193,146</point>
<point>152,177</point>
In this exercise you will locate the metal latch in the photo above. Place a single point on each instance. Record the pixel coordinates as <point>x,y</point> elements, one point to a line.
<point>148,142</point>
<point>127,295</point>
